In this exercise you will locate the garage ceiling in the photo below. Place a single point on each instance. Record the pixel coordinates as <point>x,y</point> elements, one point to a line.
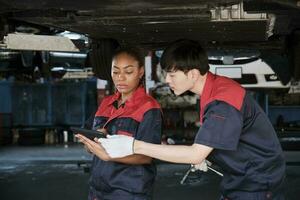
<point>155,23</point>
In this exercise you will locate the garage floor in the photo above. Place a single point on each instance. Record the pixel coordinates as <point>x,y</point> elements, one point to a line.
<point>61,172</point>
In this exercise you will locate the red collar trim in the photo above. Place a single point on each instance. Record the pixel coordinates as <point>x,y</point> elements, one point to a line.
<point>208,87</point>
<point>139,92</point>
<point>222,89</point>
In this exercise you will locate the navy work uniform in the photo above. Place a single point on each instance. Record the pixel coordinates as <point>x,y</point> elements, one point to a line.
<point>139,117</point>
<point>245,144</point>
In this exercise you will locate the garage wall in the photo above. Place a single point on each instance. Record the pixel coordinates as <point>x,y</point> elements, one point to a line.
<point>57,104</point>
<point>5,97</point>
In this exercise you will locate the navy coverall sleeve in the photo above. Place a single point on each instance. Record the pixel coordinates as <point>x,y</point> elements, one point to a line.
<point>222,126</point>
<point>149,129</point>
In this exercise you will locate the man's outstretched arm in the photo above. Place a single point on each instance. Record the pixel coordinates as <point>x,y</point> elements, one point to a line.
<point>120,146</point>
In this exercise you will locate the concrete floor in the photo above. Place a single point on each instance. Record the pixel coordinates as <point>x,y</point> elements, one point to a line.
<point>60,172</point>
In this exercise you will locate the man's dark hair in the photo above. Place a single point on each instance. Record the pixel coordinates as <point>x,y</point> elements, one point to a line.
<point>185,55</point>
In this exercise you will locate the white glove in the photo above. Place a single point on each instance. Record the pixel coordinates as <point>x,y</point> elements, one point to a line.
<point>117,146</point>
<point>202,166</point>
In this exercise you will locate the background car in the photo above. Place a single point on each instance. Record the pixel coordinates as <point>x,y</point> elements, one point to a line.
<point>246,67</point>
